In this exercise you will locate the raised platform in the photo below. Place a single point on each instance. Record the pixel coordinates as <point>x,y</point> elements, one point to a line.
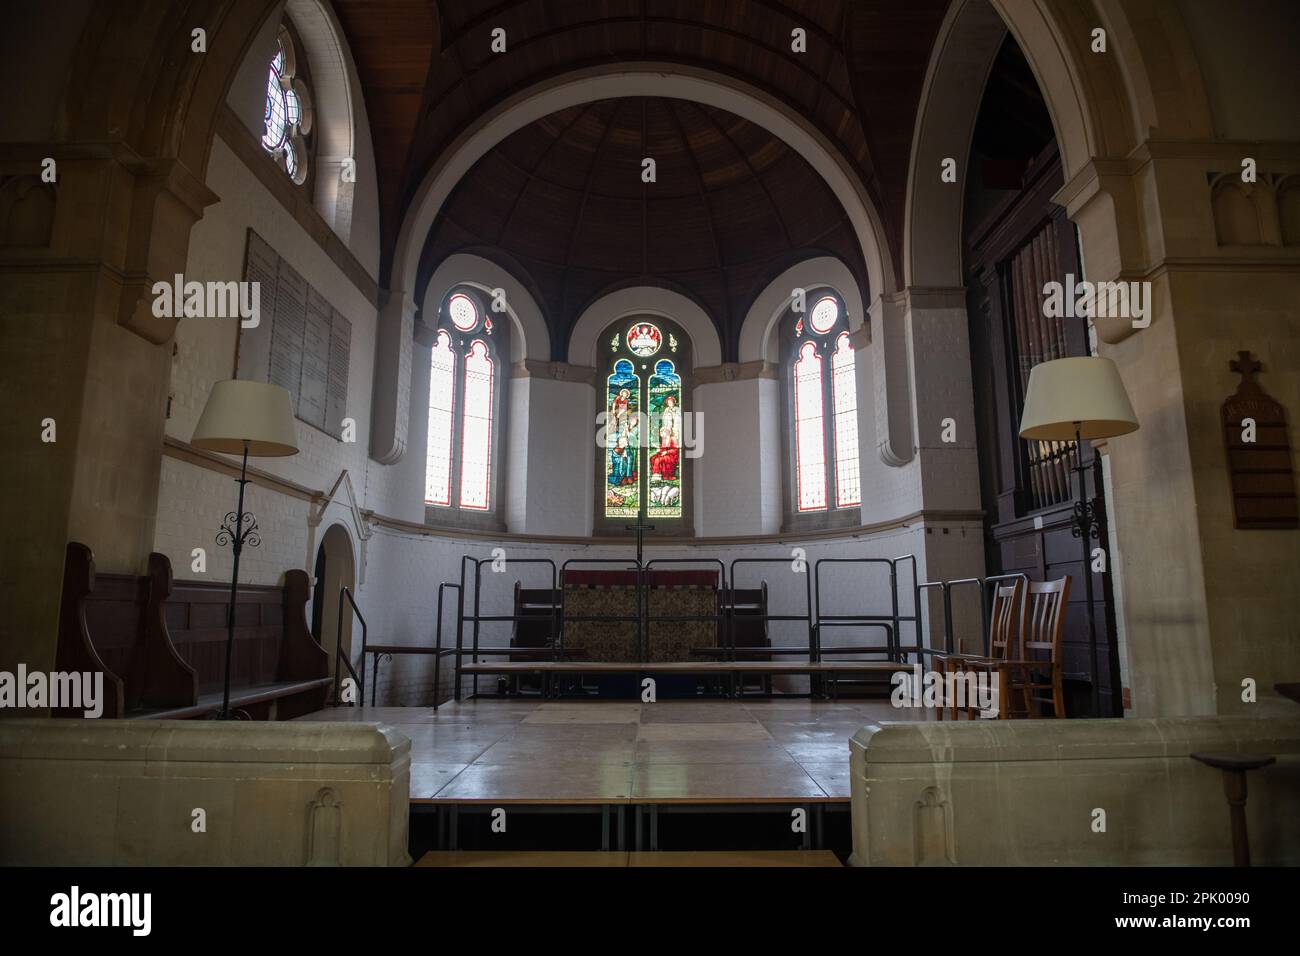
<point>609,771</point>
<point>603,752</point>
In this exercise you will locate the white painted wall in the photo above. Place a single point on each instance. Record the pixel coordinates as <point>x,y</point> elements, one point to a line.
<point>411,566</point>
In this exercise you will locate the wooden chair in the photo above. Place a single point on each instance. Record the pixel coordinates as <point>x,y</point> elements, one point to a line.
<point>1039,665</point>
<point>1006,624</point>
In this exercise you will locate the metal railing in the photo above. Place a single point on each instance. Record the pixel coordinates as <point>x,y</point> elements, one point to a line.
<point>339,656</point>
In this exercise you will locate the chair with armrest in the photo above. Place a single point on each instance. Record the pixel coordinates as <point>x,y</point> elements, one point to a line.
<point>1006,623</point>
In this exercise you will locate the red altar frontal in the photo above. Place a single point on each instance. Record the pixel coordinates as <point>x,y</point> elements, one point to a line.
<point>613,593</point>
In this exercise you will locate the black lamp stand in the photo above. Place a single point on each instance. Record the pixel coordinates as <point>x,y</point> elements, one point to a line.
<point>1086,527</point>
<point>240,529</point>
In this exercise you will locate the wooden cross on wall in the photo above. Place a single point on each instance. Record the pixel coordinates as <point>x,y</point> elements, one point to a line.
<point>1246,367</point>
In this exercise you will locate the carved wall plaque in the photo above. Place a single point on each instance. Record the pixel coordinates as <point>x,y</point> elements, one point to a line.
<point>1259,454</point>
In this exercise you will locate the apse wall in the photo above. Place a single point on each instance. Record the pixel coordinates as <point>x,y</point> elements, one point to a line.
<point>547,454</point>
<point>404,570</point>
<point>548,449</point>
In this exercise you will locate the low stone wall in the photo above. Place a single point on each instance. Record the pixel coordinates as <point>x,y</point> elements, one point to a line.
<point>202,793</point>
<point>1077,792</point>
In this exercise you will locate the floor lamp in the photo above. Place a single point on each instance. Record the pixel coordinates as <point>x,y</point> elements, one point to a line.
<point>1073,399</point>
<point>244,418</point>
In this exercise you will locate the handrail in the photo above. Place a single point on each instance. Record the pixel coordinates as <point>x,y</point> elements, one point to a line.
<point>477,617</point>
<point>890,620</point>
<point>807,616</point>
<point>338,649</point>
<point>946,587</point>
<point>437,644</point>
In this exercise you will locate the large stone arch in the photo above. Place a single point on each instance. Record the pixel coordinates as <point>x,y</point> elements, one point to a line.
<point>642,79</point>
<point>645,300</point>
<point>1102,106</point>
<point>388,437</point>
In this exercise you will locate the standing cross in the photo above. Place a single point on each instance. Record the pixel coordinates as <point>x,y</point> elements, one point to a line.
<point>640,528</point>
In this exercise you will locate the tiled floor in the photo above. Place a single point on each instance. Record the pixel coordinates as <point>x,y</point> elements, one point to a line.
<point>605,752</point>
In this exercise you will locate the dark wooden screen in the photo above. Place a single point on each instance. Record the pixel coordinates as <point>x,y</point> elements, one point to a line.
<point>1028,488</point>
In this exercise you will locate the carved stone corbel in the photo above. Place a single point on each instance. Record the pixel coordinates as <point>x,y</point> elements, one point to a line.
<point>166,201</point>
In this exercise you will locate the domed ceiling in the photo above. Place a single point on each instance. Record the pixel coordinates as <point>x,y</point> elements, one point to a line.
<point>429,74</point>
<point>562,204</point>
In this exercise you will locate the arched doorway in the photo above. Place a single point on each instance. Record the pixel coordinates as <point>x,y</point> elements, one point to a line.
<point>335,569</point>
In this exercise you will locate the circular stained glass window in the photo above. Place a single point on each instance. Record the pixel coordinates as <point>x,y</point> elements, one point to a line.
<point>463,314</point>
<point>644,339</point>
<point>824,315</point>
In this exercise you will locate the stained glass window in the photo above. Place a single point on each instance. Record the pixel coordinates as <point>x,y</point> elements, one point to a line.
<point>664,499</point>
<point>809,429</point>
<point>476,442</point>
<point>844,389</point>
<point>644,443</point>
<point>442,394</point>
<point>824,315</point>
<point>460,308</point>
<point>623,441</point>
<point>287,114</point>
<point>464,403</point>
<point>822,406</point>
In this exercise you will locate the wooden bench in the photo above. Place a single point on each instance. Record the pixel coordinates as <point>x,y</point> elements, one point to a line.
<point>161,646</point>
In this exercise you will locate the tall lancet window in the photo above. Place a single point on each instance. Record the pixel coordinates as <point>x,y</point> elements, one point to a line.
<point>462,469</point>
<point>821,415</point>
<point>642,465</point>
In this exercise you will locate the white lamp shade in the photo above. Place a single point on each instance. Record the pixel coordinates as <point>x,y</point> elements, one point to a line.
<point>242,412</point>
<point>1083,391</point>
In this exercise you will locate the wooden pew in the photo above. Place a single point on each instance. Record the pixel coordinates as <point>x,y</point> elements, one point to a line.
<point>161,644</point>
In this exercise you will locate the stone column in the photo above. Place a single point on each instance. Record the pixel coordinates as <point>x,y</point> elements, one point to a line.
<point>89,365</point>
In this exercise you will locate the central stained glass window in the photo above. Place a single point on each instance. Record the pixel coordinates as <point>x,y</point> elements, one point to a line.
<point>643,425</point>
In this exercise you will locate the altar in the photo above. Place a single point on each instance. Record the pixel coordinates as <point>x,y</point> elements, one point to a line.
<point>604,593</point>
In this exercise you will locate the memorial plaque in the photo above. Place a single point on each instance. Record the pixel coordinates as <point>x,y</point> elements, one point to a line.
<point>261,264</point>
<point>315,360</point>
<point>301,343</point>
<point>288,330</point>
<point>1259,454</point>
<point>340,354</point>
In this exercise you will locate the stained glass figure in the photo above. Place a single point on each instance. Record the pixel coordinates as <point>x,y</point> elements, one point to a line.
<point>644,339</point>
<point>623,442</point>
<point>664,498</point>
